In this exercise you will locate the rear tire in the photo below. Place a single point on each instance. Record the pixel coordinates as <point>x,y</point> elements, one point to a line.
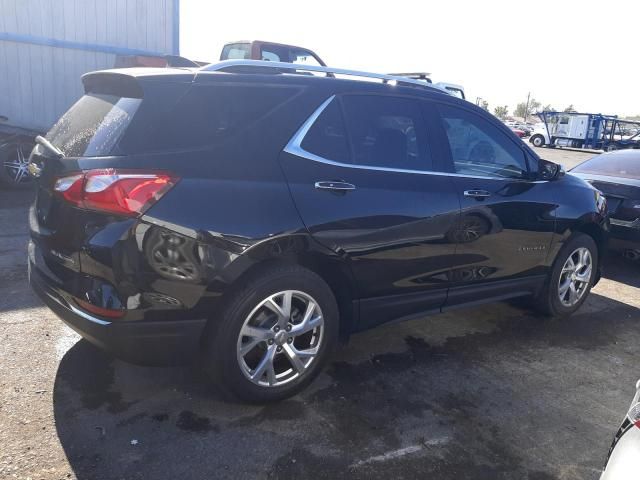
<point>537,140</point>
<point>259,352</point>
<point>572,276</point>
<point>612,147</point>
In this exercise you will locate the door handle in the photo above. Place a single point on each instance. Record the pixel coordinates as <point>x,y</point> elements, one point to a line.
<point>335,186</point>
<point>477,194</point>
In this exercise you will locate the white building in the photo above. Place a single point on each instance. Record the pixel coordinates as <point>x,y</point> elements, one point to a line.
<point>46,45</point>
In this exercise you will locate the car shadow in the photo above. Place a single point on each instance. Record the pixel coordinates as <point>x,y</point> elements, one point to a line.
<point>450,390</point>
<point>621,269</point>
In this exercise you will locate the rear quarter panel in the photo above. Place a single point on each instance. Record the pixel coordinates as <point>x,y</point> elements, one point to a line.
<point>230,211</point>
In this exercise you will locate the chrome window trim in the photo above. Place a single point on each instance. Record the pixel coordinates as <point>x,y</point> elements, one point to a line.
<point>625,223</point>
<point>294,147</point>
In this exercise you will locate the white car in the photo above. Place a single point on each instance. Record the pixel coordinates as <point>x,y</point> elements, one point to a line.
<point>622,461</point>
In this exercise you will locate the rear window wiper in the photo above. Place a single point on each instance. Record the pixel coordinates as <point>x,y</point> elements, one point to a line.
<point>50,147</point>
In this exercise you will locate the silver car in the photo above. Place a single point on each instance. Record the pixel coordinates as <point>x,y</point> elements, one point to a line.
<point>622,461</point>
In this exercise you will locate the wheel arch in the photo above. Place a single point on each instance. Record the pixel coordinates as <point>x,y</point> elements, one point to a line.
<point>599,235</point>
<point>303,251</point>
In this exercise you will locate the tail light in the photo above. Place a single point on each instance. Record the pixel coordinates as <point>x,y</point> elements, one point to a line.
<point>103,312</point>
<point>122,192</point>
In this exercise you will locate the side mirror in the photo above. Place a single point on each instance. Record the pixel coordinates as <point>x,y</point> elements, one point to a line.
<point>549,171</point>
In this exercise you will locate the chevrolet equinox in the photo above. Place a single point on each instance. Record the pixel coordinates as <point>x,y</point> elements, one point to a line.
<point>249,215</point>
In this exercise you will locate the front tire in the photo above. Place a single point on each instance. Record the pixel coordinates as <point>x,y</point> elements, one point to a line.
<point>274,336</point>
<point>537,140</point>
<point>572,276</point>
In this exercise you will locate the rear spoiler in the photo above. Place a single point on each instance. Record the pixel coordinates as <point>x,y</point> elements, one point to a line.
<point>128,82</point>
<point>112,82</point>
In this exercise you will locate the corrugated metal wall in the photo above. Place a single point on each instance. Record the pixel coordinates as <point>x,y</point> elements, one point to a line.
<point>46,45</point>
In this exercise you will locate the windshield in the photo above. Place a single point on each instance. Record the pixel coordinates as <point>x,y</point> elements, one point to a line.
<point>93,125</point>
<point>235,51</point>
<point>623,164</point>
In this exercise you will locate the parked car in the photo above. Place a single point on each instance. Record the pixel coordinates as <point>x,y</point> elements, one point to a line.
<point>253,219</point>
<point>622,460</point>
<point>621,143</point>
<point>14,158</point>
<point>617,175</point>
<point>523,127</point>
<point>518,132</point>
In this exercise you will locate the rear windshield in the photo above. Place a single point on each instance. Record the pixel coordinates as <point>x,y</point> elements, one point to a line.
<point>624,164</point>
<point>167,118</point>
<point>93,125</point>
<point>204,116</point>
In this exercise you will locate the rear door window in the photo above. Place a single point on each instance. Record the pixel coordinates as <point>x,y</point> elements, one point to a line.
<point>327,137</point>
<point>387,132</point>
<point>479,148</point>
<point>93,125</point>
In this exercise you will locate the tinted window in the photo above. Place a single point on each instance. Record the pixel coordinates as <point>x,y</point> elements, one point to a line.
<point>205,115</point>
<point>93,125</point>
<point>480,148</point>
<point>623,164</point>
<point>386,132</point>
<point>327,137</point>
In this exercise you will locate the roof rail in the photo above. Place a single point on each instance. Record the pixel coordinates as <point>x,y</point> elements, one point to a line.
<point>425,76</point>
<point>259,64</point>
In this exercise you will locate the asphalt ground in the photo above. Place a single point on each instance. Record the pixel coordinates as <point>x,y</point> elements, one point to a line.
<point>493,392</point>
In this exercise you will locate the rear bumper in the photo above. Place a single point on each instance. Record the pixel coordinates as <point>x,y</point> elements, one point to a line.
<point>141,342</point>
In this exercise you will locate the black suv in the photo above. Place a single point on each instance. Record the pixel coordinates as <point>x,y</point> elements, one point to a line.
<point>251,216</point>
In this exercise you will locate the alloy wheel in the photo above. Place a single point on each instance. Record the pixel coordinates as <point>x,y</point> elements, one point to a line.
<point>280,338</point>
<point>16,164</point>
<point>575,277</point>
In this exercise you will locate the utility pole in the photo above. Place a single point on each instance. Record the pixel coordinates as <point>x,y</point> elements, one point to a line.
<point>526,109</point>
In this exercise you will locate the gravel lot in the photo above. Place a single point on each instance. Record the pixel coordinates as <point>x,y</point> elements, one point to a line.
<point>567,158</point>
<point>491,392</point>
